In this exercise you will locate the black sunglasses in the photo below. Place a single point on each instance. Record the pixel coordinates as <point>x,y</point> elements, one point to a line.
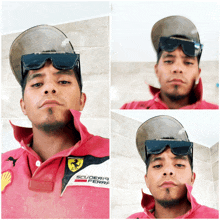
<point>190,47</point>
<point>177,147</point>
<point>61,61</point>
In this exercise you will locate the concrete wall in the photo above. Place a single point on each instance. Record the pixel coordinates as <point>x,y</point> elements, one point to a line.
<point>90,38</point>
<point>129,81</point>
<point>128,170</point>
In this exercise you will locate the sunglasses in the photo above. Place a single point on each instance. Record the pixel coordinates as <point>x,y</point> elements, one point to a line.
<point>190,48</point>
<point>177,147</point>
<point>61,61</point>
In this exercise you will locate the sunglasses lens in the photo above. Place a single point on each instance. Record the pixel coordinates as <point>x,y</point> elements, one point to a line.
<point>154,146</point>
<point>168,44</point>
<point>182,148</point>
<point>188,48</point>
<point>31,62</point>
<point>65,61</point>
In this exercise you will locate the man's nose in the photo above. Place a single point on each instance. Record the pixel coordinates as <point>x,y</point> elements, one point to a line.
<point>50,88</point>
<point>168,171</point>
<point>177,67</point>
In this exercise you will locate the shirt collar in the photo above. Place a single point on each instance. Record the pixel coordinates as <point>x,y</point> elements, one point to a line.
<point>148,202</point>
<point>23,134</point>
<point>198,91</point>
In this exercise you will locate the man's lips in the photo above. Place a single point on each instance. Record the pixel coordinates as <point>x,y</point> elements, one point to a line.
<point>167,184</point>
<point>49,103</point>
<point>176,81</point>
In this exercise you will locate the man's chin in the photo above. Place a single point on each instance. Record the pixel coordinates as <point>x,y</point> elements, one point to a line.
<point>169,202</point>
<point>51,127</point>
<point>176,96</point>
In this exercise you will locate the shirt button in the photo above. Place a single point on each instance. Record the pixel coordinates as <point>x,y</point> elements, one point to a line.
<point>38,163</point>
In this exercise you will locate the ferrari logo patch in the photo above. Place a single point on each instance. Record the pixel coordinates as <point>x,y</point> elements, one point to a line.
<point>6,179</point>
<point>75,164</point>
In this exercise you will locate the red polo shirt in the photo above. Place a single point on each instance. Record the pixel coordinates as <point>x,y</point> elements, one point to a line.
<point>156,102</point>
<point>74,183</point>
<point>196,211</point>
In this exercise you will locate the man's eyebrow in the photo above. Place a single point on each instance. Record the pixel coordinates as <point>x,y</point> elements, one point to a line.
<point>64,72</point>
<point>183,157</point>
<point>34,75</point>
<point>168,55</point>
<point>189,57</point>
<point>156,158</point>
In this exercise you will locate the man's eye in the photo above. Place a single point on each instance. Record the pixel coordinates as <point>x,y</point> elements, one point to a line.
<point>168,61</point>
<point>188,63</point>
<point>157,166</point>
<point>180,165</point>
<point>37,85</point>
<point>64,82</point>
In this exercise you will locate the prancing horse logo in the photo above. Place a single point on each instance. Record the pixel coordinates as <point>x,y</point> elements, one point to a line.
<point>75,164</point>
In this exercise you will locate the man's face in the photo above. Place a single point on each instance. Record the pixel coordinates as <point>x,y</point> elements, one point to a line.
<point>177,73</point>
<point>49,94</point>
<point>166,176</point>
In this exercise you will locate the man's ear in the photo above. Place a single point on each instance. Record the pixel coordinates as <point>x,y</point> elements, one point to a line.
<point>156,69</point>
<point>82,101</point>
<point>193,178</point>
<point>146,180</point>
<point>199,71</point>
<point>198,77</point>
<point>22,104</point>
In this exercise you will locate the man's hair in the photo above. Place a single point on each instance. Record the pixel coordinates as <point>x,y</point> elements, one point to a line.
<point>76,71</point>
<point>159,51</point>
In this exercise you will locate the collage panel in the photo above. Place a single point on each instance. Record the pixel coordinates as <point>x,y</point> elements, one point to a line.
<point>55,110</point>
<point>151,52</point>
<point>137,175</point>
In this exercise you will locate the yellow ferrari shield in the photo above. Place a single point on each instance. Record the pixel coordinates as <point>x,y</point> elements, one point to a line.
<point>75,164</point>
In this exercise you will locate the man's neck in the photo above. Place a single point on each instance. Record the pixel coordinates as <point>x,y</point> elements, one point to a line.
<point>48,144</point>
<point>172,212</point>
<point>175,104</point>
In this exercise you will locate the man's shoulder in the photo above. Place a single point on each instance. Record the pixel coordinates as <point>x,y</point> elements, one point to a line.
<point>12,156</point>
<point>99,139</point>
<point>96,145</point>
<point>136,105</point>
<point>207,105</point>
<point>138,215</point>
<point>12,153</point>
<point>205,212</point>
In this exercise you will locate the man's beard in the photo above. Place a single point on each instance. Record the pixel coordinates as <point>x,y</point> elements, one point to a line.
<point>51,126</point>
<point>169,203</point>
<point>175,96</point>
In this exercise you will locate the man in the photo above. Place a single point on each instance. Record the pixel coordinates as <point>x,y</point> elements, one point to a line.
<point>177,44</point>
<point>167,152</point>
<point>61,170</point>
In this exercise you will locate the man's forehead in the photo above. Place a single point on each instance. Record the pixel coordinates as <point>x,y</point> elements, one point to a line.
<point>167,154</point>
<point>40,74</point>
<point>172,54</point>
